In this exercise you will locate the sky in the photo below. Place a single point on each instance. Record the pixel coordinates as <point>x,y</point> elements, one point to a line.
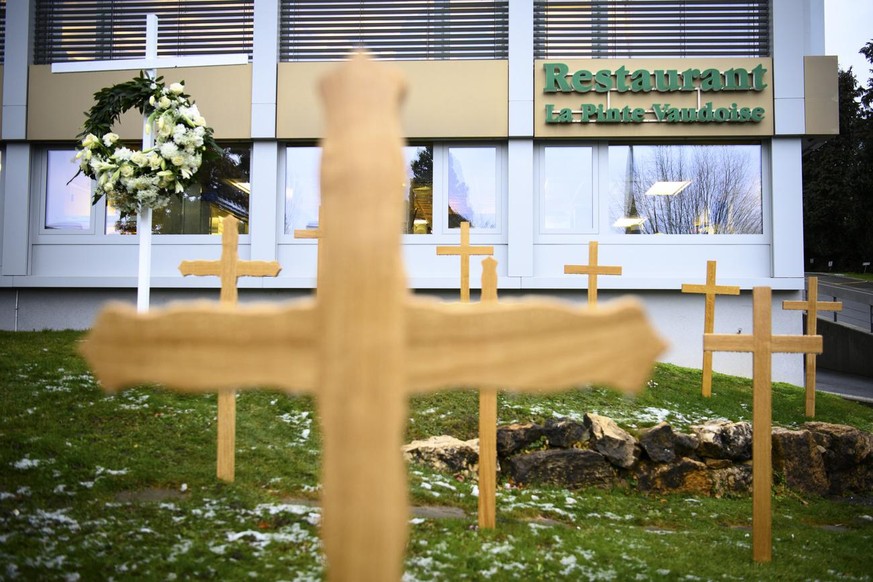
<point>848,27</point>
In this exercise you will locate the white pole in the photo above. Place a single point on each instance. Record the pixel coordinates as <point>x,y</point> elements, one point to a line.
<point>144,217</point>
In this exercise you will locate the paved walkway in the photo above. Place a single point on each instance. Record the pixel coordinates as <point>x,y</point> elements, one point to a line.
<point>849,386</point>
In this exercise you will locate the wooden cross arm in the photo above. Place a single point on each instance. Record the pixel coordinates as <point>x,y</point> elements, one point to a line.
<point>791,344</point>
<point>471,250</point>
<point>199,347</point>
<point>243,268</point>
<point>587,270</point>
<point>819,305</point>
<point>717,289</point>
<point>529,345</point>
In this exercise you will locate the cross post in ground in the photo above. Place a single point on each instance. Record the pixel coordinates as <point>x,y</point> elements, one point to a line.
<point>488,420</point>
<point>364,343</point>
<point>465,251</point>
<point>592,269</point>
<point>762,344</point>
<point>812,306</point>
<point>230,268</point>
<point>149,65</point>
<point>710,290</point>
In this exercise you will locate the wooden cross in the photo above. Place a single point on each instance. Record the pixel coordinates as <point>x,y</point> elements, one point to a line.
<point>710,290</point>
<point>465,251</point>
<point>812,306</point>
<point>364,343</point>
<point>592,269</point>
<point>230,268</point>
<point>149,65</point>
<point>488,420</point>
<point>763,344</point>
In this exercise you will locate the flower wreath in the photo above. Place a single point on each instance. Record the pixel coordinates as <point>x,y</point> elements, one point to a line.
<point>132,180</point>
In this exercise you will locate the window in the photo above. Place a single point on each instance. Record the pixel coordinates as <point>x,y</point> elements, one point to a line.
<point>325,30</point>
<point>651,28</point>
<point>68,198</point>
<point>685,189</point>
<point>69,30</point>
<point>472,186</point>
<point>566,178</point>
<point>465,181</point>
<point>222,188</point>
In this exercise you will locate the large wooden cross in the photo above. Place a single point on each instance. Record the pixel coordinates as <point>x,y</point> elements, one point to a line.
<point>763,344</point>
<point>710,290</point>
<point>812,306</point>
<point>149,65</point>
<point>364,343</point>
<point>465,251</point>
<point>592,269</point>
<point>230,268</point>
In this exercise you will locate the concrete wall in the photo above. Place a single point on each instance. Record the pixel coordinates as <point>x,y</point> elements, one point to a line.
<point>846,349</point>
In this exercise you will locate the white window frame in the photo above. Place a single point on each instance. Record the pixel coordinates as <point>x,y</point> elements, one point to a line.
<point>541,235</point>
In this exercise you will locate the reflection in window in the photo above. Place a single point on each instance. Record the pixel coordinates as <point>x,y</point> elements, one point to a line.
<point>302,188</point>
<point>222,188</point>
<point>686,189</point>
<point>67,202</point>
<point>567,190</point>
<point>472,186</point>
<point>303,193</point>
<point>419,185</point>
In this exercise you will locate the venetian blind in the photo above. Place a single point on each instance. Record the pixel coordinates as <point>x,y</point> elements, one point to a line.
<point>651,28</point>
<point>322,30</point>
<point>68,30</point>
<point>2,31</point>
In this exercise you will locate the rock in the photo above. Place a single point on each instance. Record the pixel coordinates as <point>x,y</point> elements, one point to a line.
<point>797,457</point>
<point>610,440</point>
<point>563,433</point>
<point>662,445</point>
<point>731,479</point>
<point>572,468</point>
<point>683,476</point>
<point>444,453</point>
<point>722,439</point>
<point>848,456</point>
<point>517,437</point>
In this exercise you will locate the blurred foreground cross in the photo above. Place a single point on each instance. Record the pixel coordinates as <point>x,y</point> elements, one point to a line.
<point>364,343</point>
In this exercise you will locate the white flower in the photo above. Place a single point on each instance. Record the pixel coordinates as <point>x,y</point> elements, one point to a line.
<point>177,88</point>
<point>126,170</point>
<point>122,154</point>
<point>169,149</point>
<point>109,139</point>
<point>90,141</point>
<point>164,102</point>
<point>178,160</point>
<point>139,158</point>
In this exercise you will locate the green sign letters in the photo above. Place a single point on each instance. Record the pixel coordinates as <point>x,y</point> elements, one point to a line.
<point>559,79</point>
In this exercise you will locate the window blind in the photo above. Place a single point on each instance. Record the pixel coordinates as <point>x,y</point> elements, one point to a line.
<point>320,30</point>
<point>651,28</point>
<point>68,30</point>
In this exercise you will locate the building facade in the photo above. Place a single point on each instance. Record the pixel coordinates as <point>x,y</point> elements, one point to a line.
<point>669,132</point>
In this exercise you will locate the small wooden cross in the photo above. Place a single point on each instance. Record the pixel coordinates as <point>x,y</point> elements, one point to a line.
<point>465,251</point>
<point>364,343</point>
<point>763,344</point>
<point>592,269</point>
<point>710,290</point>
<point>488,420</point>
<point>812,306</point>
<point>230,268</point>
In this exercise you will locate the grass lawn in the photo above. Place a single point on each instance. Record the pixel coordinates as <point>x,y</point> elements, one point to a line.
<point>97,487</point>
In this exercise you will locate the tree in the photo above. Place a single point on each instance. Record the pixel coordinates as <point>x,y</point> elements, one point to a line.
<point>838,183</point>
